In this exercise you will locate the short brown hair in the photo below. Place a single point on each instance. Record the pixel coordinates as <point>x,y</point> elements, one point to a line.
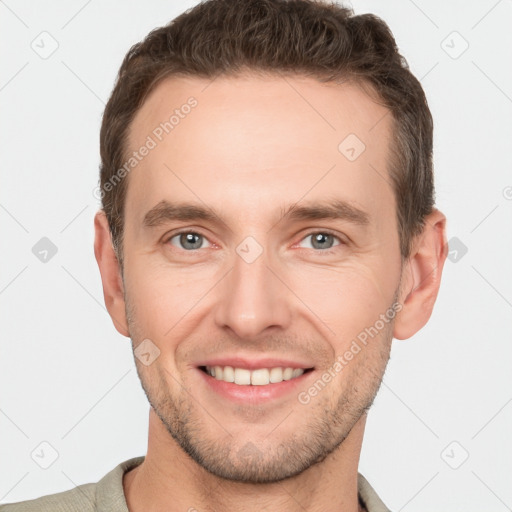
<point>303,37</point>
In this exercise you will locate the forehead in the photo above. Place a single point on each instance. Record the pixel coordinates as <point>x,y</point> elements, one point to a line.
<point>253,142</point>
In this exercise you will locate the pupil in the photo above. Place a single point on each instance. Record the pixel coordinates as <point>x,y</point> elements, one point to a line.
<point>191,238</point>
<point>321,238</point>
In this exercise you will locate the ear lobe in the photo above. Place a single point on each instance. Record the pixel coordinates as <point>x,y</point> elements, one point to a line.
<point>421,277</point>
<point>112,282</point>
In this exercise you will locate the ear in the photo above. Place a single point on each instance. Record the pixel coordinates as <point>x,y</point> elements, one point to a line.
<point>421,277</point>
<point>108,264</point>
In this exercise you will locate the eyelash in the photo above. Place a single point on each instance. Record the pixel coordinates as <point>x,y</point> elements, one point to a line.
<point>315,232</point>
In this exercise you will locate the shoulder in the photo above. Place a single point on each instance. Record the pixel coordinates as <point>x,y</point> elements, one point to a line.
<point>368,497</point>
<point>80,499</point>
<point>107,495</point>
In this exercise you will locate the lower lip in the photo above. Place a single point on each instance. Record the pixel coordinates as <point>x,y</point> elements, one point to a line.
<point>254,394</point>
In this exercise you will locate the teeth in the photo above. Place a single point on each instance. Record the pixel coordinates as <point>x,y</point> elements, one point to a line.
<point>229,374</point>
<point>287,373</point>
<point>258,377</point>
<point>276,375</point>
<point>242,376</point>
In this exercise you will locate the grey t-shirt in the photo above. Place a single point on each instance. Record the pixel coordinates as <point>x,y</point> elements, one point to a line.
<point>107,495</point>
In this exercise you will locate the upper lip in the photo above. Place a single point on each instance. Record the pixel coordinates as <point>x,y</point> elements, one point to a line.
<point>250,363</point>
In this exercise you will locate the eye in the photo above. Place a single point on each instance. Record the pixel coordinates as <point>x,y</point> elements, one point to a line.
<point>188,240</point>
<point>321,240</point>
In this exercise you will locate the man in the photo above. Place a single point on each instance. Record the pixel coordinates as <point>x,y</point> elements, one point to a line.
<point>290,146</point>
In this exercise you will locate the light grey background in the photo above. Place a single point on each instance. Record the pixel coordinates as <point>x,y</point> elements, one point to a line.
<point>68,378</point>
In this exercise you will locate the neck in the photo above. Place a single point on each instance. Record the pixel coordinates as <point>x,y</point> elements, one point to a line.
<point>169,479</point>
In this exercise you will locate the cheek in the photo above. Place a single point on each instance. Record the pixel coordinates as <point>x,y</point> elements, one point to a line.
<point>347,299</point>
<point>165,297</point>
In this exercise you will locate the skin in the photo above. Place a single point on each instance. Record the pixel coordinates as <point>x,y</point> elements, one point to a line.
<point>253,146</point>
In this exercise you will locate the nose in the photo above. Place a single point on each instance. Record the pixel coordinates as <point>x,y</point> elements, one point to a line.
<point>253,298</point>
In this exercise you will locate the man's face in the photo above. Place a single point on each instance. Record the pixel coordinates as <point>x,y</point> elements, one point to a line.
<point>251,287</point>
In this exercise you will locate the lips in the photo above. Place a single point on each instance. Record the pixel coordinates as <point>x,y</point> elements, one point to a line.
<point>252,388</point>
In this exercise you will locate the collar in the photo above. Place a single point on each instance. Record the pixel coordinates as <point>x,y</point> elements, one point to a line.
<point>110,494</point>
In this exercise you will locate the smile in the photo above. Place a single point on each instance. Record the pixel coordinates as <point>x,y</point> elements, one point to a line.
<point>255,377</point>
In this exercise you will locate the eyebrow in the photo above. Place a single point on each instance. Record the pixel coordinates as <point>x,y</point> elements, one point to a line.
<point>165,211</point>
<point>336,209</point>
<point>332,209</point>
